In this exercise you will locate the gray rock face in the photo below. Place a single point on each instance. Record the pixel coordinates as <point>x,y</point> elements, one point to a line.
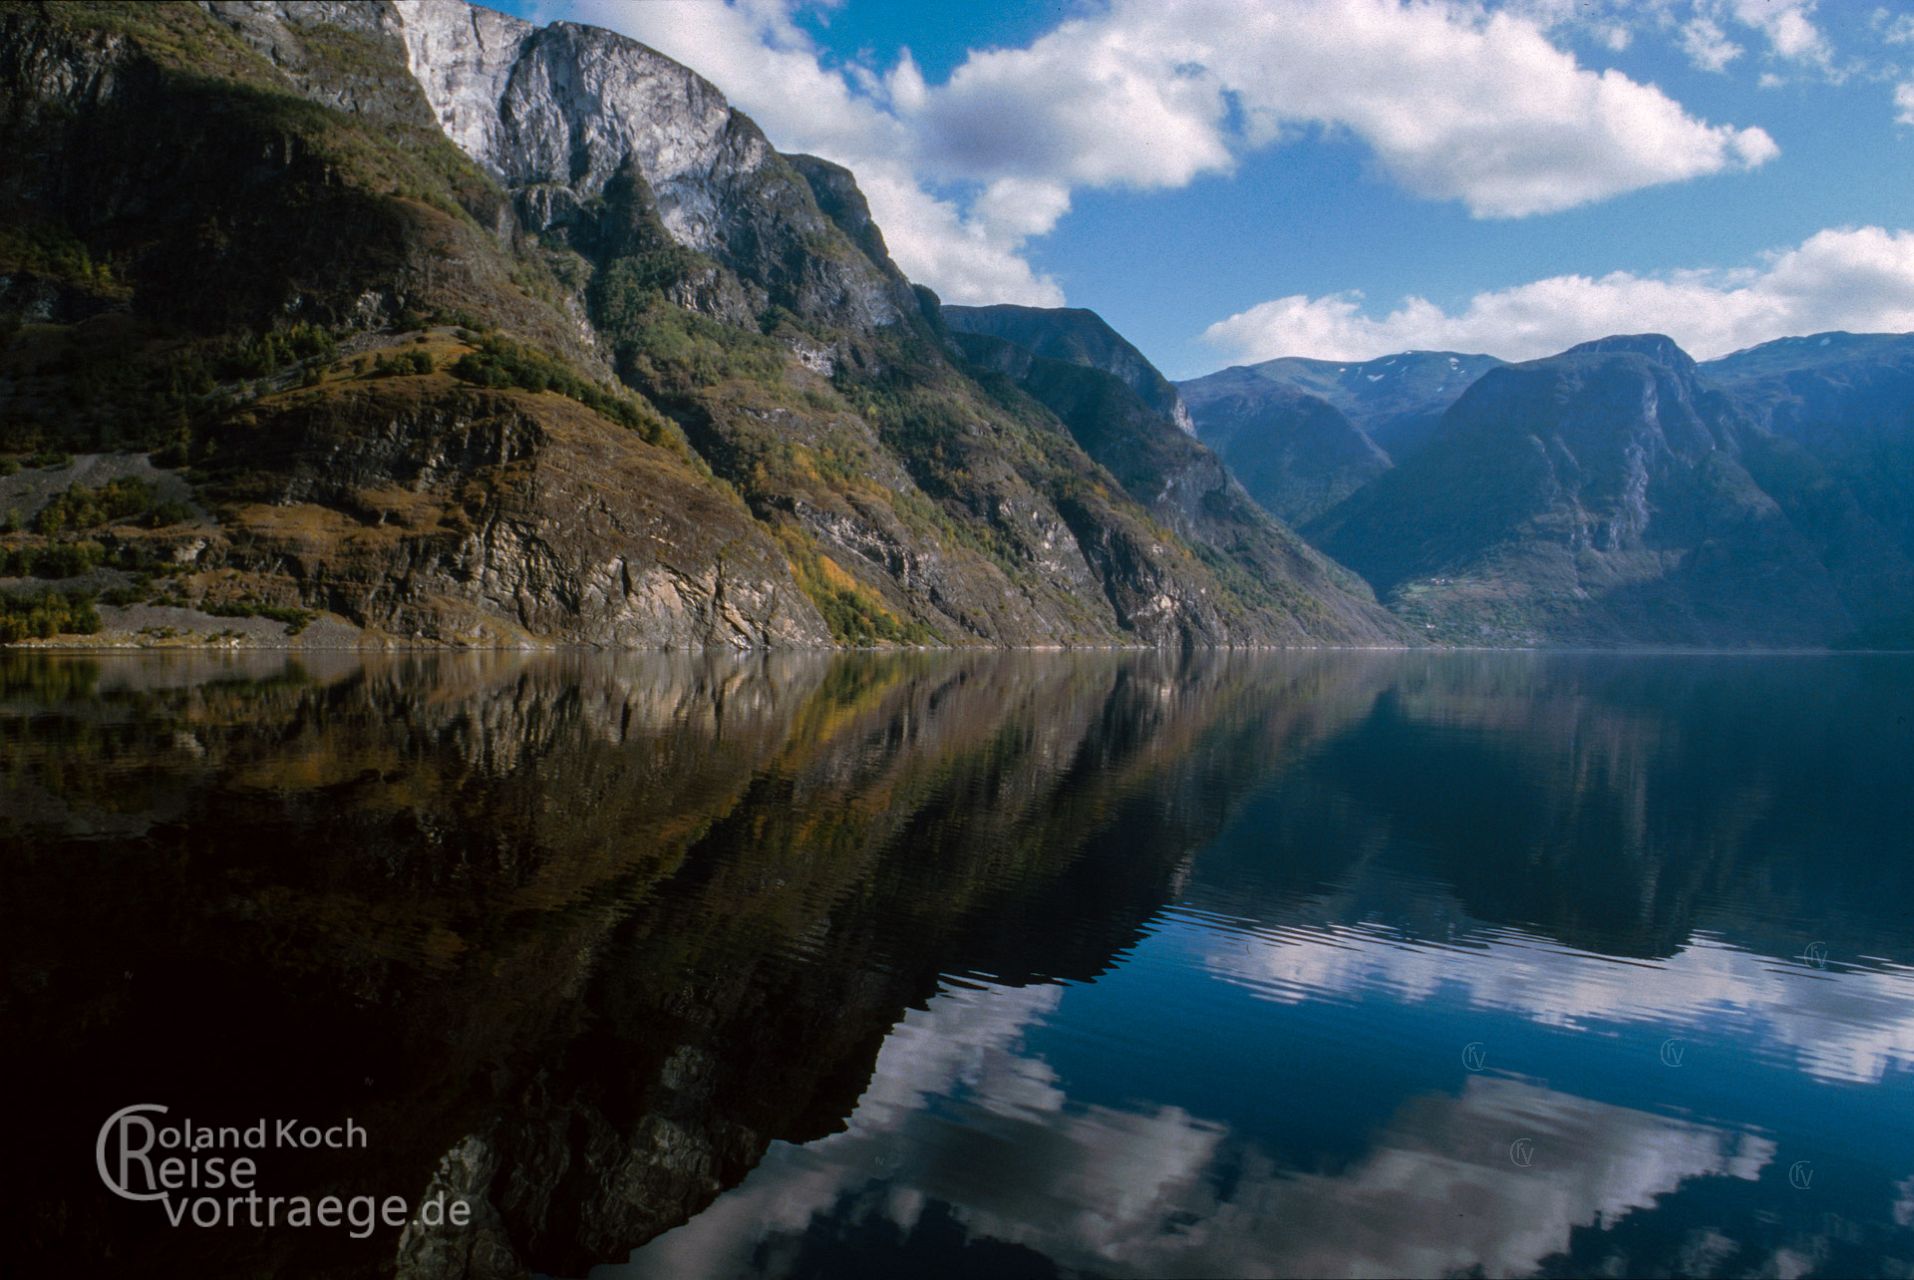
<point>556,113</point>
<point>463,57</point>
<point>1179,480</point>
<point>503,520</point>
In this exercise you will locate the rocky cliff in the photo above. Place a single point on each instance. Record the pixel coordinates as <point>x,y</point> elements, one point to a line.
<point>1091,386</point>
<point>467,330</point>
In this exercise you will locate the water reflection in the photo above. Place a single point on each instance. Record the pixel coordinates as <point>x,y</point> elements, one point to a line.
<point>985,964</point>
<point>1005,1161</point>
<point>1852,1023</point>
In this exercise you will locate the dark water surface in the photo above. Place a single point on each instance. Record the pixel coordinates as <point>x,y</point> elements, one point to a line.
<point>987,965</point>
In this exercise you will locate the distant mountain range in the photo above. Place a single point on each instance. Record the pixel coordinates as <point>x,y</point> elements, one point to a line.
<point>1618,493</point>
<point>1304,434</point>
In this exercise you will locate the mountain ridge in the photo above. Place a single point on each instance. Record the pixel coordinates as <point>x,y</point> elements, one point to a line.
<point>1126,415</point>
<point>1304,434</point>
<point>259,237</point>
<point>1076,335</point>
<point>1614,494</point>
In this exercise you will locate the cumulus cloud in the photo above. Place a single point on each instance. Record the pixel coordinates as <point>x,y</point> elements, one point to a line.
<point>1454,102</point>
<point>1788,25</point>
<point>1707,45</point>
<point>1859,279</point>
<point>1785,31</point>
<point>1904,103</point>
<point>1455,105</point>
<point>770,68</point>
<point>1487,111</point>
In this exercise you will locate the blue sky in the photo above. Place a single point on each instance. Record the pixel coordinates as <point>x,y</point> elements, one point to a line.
<point>1227,180</point>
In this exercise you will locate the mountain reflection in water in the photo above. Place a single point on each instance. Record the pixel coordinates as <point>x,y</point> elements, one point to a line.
<point>1327,964</point>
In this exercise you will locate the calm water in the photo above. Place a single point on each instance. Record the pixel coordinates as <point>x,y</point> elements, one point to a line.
<point>975,965</point>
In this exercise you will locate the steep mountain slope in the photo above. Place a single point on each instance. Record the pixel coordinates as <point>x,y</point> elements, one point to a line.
<point>1080,337</point>
<point>1605,495</point>
<point>1840,408</point>
<point>1296,453</point>
<point>238,256</point>
<point>1179,481</point>
<point>474,331</point>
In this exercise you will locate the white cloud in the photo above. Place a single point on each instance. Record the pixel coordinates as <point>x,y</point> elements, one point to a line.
<point>1120,100</point>
<point>1707,45</point>
<point>1486,112</point>
<point>1790,39</point>
<point>1712,33</point>
<point>1788,26</point>
<point>1021,206</point>
<point>1860,279</point>
<point>1894,28</point>
<point>1615,35</point>
<point>768,67</point>
<point>1904,103</point>
<point>1455,104</point>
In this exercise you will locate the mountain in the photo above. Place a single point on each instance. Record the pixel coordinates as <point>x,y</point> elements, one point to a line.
<point>449,328</point>
<point>1607,495</point>
<point>1396,400</point>
<point>1304,434</point>
<point>1125,415</point>
<point>1839,408</point>
<point>1296,453</point>
<point>1079,337</point>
